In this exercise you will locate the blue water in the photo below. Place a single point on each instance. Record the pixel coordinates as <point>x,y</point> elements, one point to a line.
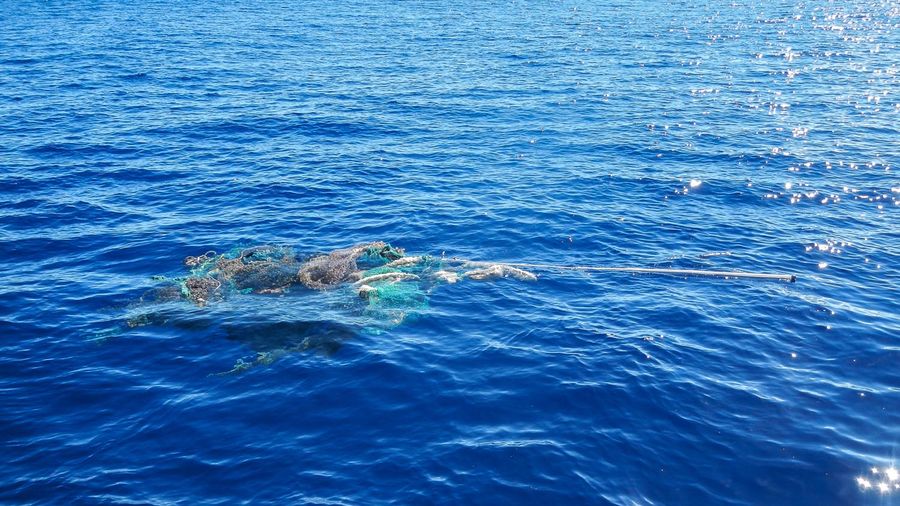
<point>762,137</point>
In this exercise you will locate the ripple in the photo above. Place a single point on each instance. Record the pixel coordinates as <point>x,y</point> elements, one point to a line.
<point>756,137</point>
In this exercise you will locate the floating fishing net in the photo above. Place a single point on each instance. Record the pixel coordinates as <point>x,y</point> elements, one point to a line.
<point>394,286</point>
<point>270,269</point>
<point>201,290</point>
<point>262,269</point>
<point>391,286</point>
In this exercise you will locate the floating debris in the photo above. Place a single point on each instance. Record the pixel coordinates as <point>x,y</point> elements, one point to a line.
<point>394,287</point>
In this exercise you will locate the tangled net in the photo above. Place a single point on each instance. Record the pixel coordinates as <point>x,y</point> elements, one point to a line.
<point>394,285</point>
<point>390,286</point>
<point>271,270</point>
<point>339,266</point>
<point>262,269</point>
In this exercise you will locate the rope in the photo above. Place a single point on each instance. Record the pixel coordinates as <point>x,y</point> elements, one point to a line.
<point>641,270</point>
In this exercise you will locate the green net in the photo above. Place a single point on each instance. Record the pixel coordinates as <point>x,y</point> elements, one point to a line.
<point>399,290</point>
<point>391,288</point>
<point>392,303</point>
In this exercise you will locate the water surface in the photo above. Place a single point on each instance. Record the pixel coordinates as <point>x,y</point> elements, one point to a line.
<point>635,133</point>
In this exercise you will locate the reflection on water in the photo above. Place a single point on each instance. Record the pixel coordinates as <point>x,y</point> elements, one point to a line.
<point>885,481</point>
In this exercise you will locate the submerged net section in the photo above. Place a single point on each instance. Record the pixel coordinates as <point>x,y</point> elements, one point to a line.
<point>399,290</point>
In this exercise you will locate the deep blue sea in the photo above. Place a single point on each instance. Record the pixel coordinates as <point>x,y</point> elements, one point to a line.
<point>753,136</point>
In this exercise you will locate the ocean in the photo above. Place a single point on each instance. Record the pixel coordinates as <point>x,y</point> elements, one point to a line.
<point>738,136</point>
